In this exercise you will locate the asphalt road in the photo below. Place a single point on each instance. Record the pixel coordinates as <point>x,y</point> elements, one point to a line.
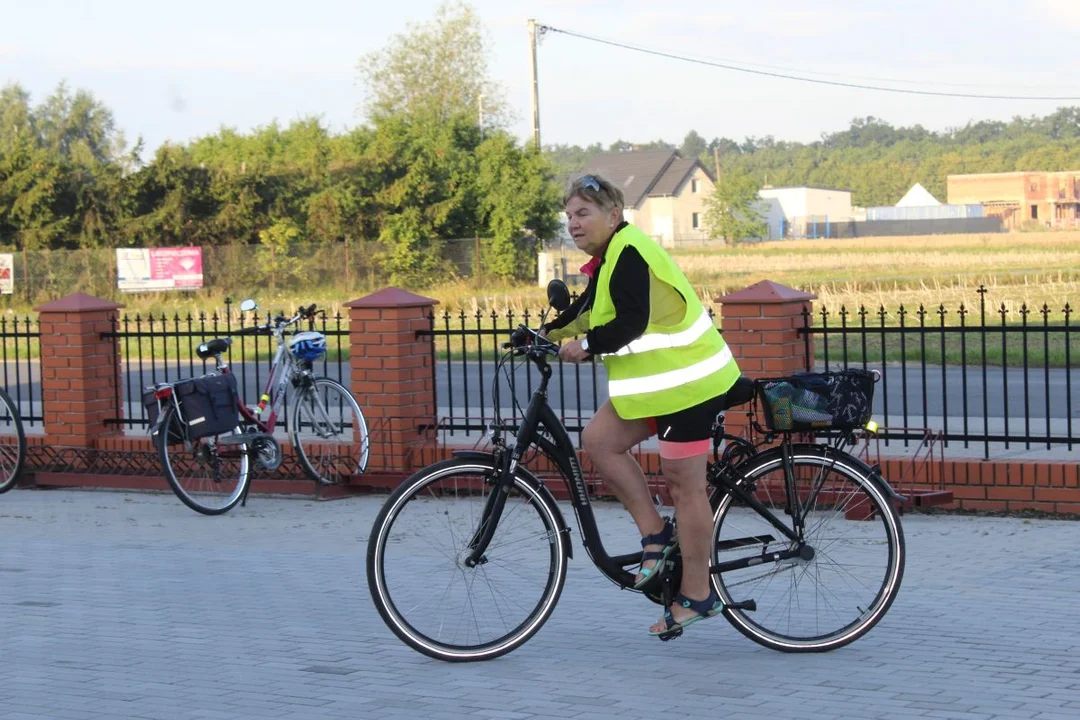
<point>902,395</point>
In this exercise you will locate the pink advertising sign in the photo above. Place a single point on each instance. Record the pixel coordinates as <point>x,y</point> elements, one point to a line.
<point>153,269</point>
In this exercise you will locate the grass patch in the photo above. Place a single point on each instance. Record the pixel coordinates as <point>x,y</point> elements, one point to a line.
<point>1043,349</point>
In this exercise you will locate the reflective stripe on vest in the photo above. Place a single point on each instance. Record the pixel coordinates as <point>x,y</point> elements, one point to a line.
<point>670,379</point>
<point>668,341</point>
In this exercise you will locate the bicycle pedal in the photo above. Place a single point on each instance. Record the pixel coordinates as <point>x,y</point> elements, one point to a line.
<point>670,635</point>
<point>747,605</point>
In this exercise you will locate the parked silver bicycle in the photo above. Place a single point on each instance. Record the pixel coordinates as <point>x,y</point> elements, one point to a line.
<point>207,437</point>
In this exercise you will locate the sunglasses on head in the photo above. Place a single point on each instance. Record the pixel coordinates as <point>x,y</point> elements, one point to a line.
<point>590,183</point>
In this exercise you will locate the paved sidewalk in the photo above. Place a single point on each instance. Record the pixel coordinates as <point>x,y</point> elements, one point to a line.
<point>132,606</point>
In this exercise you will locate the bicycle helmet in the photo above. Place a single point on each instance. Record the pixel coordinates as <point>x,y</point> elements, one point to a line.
<point>308,346</point>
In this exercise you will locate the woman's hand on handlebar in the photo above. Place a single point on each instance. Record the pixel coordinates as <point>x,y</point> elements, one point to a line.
<point>572,352</point>
<point>524,338</point>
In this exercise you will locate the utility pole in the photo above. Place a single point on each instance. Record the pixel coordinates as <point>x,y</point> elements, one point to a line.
<point>535,84</point>
<point>480,108</point>
<point>716,161</point>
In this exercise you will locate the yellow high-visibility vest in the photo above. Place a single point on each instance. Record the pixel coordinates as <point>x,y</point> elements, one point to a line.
<point>670,367</point>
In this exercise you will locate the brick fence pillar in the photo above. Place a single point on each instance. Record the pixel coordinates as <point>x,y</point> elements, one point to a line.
<point>79,369</point>
<point>391,370</point>
<point>761,325</point>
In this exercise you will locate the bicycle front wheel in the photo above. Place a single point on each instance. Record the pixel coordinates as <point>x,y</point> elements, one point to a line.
<point>426,592</point>
<point>850,566</point>
<point>210,477</point>
<point>12,449</point>
<point>328,431</point>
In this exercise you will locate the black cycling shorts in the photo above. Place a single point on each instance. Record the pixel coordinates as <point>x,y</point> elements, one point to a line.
<point>693,424</point>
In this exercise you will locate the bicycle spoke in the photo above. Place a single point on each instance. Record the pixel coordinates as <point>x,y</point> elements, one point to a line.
<point>837,592</point>
<point>482,605</point>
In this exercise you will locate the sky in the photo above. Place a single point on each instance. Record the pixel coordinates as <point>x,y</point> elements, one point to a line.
<point>172,71</point>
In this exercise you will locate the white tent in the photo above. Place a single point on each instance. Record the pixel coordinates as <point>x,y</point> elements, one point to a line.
<point>918,196</point>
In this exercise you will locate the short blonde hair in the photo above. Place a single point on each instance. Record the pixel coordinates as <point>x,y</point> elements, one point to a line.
<point>595,189</point>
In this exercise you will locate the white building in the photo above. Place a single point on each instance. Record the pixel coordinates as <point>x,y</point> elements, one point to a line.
<point>919,204</point>
<point>789,209</point>
<point>918,196</point>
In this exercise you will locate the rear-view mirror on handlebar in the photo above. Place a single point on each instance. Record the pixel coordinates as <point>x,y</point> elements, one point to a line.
<point>558,295</point>
<point>248,305</point>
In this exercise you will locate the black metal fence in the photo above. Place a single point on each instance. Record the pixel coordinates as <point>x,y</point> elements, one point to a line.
<point>21,349</point>
<point>468,347</point>
<point>974,375</point>
<point>981,377</point>
<point>985,376</point>
<point>162,349</point>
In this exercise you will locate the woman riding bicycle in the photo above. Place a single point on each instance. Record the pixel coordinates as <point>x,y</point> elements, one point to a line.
<point>668,371</point>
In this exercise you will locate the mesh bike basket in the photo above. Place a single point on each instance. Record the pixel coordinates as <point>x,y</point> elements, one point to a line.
<point>209,405</point>
<point>841,400</point>
<point>308,346</point>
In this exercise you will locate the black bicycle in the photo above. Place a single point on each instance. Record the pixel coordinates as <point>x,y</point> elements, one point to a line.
<point>808,551</point>
<point>12,451</point>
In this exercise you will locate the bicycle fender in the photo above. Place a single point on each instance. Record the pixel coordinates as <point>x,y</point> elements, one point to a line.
<point>534,482</point>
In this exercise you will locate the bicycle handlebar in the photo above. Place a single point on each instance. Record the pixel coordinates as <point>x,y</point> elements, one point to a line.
<point>280,321</point>
<point>255,330</point>
<point>526,341</point>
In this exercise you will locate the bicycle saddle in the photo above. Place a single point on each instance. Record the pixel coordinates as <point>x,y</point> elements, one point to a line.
<point>216,346</point>
<point>740,393</point>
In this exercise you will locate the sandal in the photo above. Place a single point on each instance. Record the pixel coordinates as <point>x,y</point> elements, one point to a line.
<point>707,608</point>
<point>665,537</point>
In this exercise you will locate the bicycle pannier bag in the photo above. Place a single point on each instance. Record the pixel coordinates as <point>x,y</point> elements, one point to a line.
<point>209,404</point>
<point>841,400</point>
<point>150,402</point>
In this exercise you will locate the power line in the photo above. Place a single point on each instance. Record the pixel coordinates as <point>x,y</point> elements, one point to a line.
<point>785,76</point>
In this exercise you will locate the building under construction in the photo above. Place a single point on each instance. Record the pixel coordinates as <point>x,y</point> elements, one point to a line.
<point>1050,199</point>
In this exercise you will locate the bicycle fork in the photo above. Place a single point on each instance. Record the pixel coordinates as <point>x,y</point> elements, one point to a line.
<point>503,479</point>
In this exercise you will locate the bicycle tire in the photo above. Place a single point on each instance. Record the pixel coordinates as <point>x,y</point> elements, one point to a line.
<point>12,455</point>
<point>466,491</point>
<point>335,465</point>
<point>189,486</point>
<point>834,512</point>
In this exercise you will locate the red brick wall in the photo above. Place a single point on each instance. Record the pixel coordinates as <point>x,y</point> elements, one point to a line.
<point>392,380</point>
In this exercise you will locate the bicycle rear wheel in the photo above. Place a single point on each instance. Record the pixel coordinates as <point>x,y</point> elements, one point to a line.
<point>12,450</point>
<point>837,592</point>
<point>429,596</point>
<point>328,432</point>
<point>209,478</point>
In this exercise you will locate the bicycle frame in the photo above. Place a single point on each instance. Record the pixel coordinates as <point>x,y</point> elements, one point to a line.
<point>560,451</point>
<point>284,366</point>
<point>282,370</point>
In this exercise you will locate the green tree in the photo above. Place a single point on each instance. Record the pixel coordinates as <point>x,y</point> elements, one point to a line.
<point>693,146</point>
<point>435,71</point>
<point>426,192</point>
<point>732,212</point>
<point>519,204</point>
<point>278,260</point>
<point>30,177</point>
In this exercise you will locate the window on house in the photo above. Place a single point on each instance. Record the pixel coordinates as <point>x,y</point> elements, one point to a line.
<point>693,188</point>
<point>1034,212</point>
<point>695,219</point>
